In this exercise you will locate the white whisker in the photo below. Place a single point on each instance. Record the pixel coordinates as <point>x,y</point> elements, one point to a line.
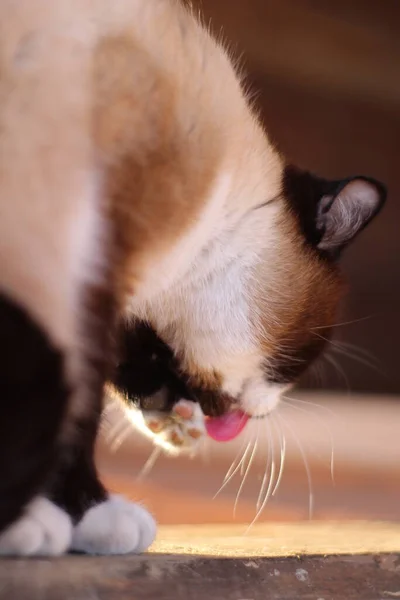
<point>269,491</point>
<point>111,406</point>
<point>322,423</point>
<point>358,349</point>
<point>305,462</point>
<point>355,353</point>
<point>329,411</point>
<point>264,502</point>
<point>119,439</point>
<point>343,323</point>
<point>112,430</point>
<point>149,464</point>
<point>267,471</point>
<point>253,453</point>
<point>117,433</point>
<point>374,366</point>
<point>282,443</point>
<point>233,465</point>
<point>317,372</point>
<point>339,369</point>
<point>233,471</point>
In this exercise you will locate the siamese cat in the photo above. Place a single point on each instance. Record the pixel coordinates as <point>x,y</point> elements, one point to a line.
<point>138,185</point>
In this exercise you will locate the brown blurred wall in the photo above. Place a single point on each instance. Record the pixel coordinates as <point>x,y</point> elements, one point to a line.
<point>328,74</point>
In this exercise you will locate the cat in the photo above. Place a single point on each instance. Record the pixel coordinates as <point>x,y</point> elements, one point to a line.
<point>137,184</point>
<point>158,397</point>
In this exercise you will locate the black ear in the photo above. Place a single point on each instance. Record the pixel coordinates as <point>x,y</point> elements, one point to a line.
<point>331,213</point>
<point>343,214</point>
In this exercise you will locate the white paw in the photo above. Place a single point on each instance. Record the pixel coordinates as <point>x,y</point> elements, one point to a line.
<point>181,430</point>
<point>43,530</point>
<point>115,526</point>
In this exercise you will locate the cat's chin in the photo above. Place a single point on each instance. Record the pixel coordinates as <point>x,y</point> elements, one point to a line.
<point>260,397</point>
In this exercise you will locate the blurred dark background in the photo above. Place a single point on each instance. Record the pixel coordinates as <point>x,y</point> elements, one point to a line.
<point>328,77</point>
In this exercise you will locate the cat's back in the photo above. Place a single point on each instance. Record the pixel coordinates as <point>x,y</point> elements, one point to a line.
<point>120,100</point>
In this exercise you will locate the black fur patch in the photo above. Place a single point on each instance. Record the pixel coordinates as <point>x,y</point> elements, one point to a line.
<point>75,485</point>
<point>33,399</point>
<point>304,191</point>
<point>146,365</point>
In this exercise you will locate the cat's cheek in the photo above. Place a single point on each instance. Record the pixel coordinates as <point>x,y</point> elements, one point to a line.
<point>259,398</point>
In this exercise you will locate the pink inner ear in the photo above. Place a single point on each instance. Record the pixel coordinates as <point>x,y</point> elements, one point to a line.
<point>227,427</point>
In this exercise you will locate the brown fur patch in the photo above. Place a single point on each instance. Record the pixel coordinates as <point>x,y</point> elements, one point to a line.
<point>310,292</point>
<point>156,175</point>
<point>206,388</point>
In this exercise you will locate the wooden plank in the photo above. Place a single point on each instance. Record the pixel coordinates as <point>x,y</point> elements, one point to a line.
<point>280,539</point>
<point>183,566</point>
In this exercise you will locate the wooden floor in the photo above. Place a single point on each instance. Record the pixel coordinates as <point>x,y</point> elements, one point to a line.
<point>335,561</point>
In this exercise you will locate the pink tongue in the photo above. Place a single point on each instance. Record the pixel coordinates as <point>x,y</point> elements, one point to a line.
<point>227,427</point>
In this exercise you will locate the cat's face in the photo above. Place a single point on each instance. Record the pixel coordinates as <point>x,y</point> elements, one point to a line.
<point>229,254</point>
<point>243,347</point>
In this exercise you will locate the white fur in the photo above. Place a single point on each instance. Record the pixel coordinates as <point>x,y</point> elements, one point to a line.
<point>206,314</point>
<point>43,530</point>
<point>89,238</point>
<point>174,433</point>
<point>115,526</point>
<point>89,234</point>
<point>259,397</point>
<point>52,238</point>
<point>47,166</point>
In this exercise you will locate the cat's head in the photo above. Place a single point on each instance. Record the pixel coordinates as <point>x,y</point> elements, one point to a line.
<point>245,335</point>
<point>231,255</point>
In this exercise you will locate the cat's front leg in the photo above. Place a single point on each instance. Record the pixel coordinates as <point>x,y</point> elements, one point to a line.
<point>75,512</point>
<point>103,523</point>
<point>115,526</point>
<point>107,524</point>
<point>51,499</point>
<point>34,395</point>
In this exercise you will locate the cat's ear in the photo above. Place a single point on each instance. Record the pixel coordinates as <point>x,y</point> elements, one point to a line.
<point>331,213</point>
<point>341,215</point>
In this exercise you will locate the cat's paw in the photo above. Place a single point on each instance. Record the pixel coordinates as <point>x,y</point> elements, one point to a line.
<point>182,429</point>
<point>44,529</point>
<point>115,526</point>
